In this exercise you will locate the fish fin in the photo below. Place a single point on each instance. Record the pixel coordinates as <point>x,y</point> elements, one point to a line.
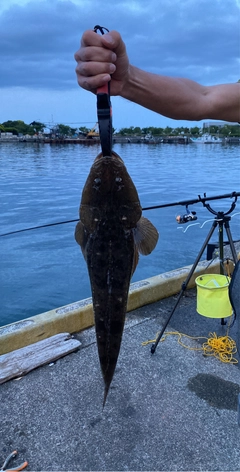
<point>145,236</point>
<point>81,237</point>
<point>135,259</point>
<point>79,233</point>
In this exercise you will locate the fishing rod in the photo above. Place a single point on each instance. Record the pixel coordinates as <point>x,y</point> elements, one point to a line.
<point>200,199</point>
<point>196,200</point>
<point>38,227</point>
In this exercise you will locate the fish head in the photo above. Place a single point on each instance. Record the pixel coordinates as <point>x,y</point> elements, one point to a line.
<point>109,190</point>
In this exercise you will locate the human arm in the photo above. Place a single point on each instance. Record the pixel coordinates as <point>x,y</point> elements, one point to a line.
<point>183,99</point>
<point>178,98</point>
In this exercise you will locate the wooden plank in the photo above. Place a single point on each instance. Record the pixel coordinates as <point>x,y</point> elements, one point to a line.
<point>20,362</point>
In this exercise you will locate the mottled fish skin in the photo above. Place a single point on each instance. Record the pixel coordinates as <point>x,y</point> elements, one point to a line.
<point>110,213</point>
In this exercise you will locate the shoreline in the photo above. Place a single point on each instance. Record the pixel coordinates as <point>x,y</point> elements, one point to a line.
<point>116,139</point>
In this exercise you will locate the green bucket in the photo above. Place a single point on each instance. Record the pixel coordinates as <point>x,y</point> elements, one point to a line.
<point>212,296</point>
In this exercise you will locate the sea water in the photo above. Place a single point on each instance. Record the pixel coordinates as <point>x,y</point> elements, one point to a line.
<point>41,183</point>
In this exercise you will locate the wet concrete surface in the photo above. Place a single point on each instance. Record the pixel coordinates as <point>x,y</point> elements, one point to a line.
<point>219,393</point>
<point>173,410</point>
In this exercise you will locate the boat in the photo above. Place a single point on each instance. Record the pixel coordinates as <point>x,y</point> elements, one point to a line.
<point>149,139</point>
<point>206,139</point>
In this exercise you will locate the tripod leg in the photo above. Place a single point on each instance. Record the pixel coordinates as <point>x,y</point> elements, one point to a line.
<point>225,222</point>
<point>185,284</point>
<point>233,250</point>
<point>229,235</point>
<point>220,241</point>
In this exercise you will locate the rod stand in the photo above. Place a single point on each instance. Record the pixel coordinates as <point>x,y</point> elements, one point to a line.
<point>221,220</point>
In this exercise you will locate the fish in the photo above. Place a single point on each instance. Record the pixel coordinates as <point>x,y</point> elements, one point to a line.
<point>111,233</point>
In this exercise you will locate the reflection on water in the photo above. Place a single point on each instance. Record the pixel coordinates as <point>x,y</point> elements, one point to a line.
<point>44,269</point>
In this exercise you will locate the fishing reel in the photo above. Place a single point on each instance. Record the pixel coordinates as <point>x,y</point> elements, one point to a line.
<point>187,217</point>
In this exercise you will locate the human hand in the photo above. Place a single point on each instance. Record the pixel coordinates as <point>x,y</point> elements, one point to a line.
<point>102,58</point>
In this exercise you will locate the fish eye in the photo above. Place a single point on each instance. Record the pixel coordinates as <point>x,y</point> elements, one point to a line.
<point>118,179</point>
<point>97,181</point>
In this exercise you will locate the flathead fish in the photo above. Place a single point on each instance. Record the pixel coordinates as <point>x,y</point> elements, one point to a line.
<point>111,233</point>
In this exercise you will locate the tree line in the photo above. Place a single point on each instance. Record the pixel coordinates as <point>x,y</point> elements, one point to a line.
<point>19,127</point>
<point>226,130</point>
<point>35,127</point>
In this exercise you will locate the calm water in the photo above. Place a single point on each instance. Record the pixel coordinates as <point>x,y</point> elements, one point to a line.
<point>44,269</point>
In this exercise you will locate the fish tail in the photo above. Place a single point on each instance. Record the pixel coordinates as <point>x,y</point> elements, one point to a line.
<point>105,393</point>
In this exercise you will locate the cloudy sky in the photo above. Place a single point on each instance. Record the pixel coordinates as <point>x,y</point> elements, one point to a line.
<point>198,39</point>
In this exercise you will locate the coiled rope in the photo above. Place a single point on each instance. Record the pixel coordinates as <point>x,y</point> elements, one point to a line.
<point>222,347</point>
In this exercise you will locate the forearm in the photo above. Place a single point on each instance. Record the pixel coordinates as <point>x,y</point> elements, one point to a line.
<point>182,98</point>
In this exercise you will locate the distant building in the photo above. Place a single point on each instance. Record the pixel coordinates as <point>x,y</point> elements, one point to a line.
<point>220,124</point>
<point>7,135</point>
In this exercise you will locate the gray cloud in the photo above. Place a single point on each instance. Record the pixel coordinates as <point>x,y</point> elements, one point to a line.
<point>38,43</point>
<point>196,38</point>
<point>199,40</point>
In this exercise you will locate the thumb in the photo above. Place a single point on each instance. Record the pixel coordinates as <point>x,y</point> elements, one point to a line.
<point>113,40</point>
